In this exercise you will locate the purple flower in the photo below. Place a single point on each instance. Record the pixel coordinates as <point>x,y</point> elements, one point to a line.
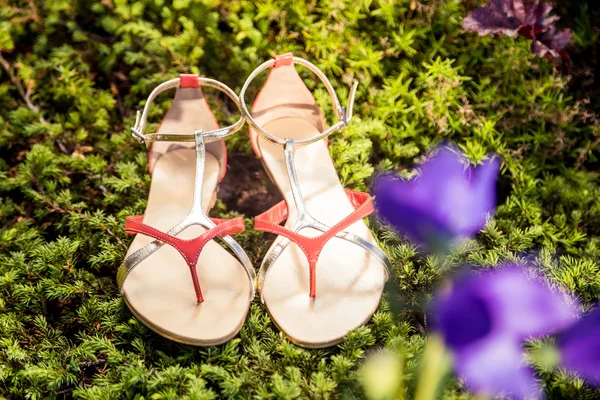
<point>484,319</point>
<point>579,348</point>
<point>528,18</point>
<point>446,202</point>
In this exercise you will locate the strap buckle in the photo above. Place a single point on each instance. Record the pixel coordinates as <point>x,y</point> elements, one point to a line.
<point>138,136</point>
<point>347,112</point>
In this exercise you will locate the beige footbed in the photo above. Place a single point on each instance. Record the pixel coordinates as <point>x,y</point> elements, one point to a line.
<point>349,279</point>
<point>159,290</point>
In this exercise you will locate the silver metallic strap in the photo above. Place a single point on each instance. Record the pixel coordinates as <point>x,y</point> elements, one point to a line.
<point>197,216</point>
<point>140,122</point>
<point>305,220</point>
<point>344,115</point>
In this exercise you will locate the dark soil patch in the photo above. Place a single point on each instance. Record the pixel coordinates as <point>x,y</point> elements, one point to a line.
<point>247,188</point>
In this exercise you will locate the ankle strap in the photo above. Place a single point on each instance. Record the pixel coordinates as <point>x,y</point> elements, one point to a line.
<point>187,81</point>
<point>343,114</point>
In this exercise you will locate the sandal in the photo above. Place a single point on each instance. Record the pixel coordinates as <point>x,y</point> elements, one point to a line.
<point>188,160</point>
<point>323,221</point>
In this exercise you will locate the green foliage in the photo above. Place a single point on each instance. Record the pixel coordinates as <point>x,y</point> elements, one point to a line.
<point>73,72</point>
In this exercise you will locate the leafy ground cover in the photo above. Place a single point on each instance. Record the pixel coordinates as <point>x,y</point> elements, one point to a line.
<point>73,72</point>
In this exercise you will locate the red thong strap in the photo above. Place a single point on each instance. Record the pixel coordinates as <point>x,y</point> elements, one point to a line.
<point>270,221</point>
<point>190,249</point>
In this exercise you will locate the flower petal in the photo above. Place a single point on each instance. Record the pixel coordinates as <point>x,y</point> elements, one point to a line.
<point>482,200</point>
<point>555,39</point>
<point>579,347</point>
<point>490,19</point>
<point>447,201</point>
<point>484,319</point>
<point>527,306</point>
<point>461,314</point>
<point>503,302</point>
<point>542,17</point>
<point>497,367</point>
<point>394,200</point>
<point>530,18</point>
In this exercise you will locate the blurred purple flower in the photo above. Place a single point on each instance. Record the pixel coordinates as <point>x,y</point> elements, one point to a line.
<point>528,18</point>
<point>484,319</point>
<point>579,348</point>
<point>445,202</point>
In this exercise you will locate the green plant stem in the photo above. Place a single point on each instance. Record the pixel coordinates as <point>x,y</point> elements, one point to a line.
<point>435,366</point>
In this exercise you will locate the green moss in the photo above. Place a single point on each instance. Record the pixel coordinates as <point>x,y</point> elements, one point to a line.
<point>74,71</point>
